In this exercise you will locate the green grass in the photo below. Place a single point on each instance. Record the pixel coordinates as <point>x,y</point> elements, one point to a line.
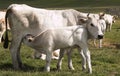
<point>105,61</point>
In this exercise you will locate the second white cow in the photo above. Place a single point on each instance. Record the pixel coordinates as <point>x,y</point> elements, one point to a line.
<point>2,24</point>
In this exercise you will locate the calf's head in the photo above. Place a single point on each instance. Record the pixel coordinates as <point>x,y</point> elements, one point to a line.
<point>94,28</point>
<point>29,38</point>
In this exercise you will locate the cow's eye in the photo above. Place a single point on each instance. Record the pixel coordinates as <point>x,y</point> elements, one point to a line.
<point>92,25</point>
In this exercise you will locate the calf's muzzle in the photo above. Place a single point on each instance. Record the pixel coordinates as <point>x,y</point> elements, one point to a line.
<point>100,36</point>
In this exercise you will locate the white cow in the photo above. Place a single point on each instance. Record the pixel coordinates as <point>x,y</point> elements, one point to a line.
<point>103,28</point>
<point>2,24</point>
<point>2,14</point>
<point>65,37</point>
<point>2,28</point>
<point>106,22</point>
<point>109,19</point>
<point>24,19</point>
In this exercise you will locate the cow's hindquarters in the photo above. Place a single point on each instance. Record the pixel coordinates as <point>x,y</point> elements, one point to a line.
<point>15,52</point>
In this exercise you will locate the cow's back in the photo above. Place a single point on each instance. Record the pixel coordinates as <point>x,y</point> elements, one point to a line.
<point>24,19</point>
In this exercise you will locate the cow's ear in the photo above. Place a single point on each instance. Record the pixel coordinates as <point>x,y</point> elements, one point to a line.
<point>88,14</point>
<point>101,14</point>
<point>82,21</point>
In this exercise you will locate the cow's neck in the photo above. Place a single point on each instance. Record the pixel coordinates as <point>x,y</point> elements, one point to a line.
<point>43,31</point>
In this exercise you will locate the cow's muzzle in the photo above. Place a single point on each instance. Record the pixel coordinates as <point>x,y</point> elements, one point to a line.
<point>30,39</point>
<point>100,36</point>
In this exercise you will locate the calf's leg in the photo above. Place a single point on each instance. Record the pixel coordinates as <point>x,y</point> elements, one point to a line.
<point>83,59</point>
<point>86,56</point>
<point>70,65</point>
<point>48,59</point>
<point>62,51</point>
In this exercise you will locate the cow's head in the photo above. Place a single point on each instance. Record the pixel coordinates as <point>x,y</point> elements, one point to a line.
<point>114,18</point>
<point>108,18</point>
<point>94,28</point>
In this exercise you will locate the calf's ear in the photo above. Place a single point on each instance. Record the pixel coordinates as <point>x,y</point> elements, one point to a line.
<point>88,16</point>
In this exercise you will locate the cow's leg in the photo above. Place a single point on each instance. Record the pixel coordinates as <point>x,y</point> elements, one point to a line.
<point>15,52</point>
<point>70,65</point>
<point>62,51</point>
<point>100,43</point>
<point>48,59</point>
<point>0,37</point>
<point>83,59</point>
<point>107,28</point>
<point>110,27</point>
<point>94,40</point>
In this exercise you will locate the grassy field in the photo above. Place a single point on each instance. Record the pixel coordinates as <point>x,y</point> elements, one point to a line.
<point>105,61</point>
<point>63,3</point>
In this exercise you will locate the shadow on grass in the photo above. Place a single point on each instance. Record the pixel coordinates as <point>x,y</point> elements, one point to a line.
<point>6,66</point>
<point>117,46</point>
<point>27,68</point>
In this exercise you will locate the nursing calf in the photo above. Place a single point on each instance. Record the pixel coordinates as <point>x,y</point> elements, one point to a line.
<point>64,37</point>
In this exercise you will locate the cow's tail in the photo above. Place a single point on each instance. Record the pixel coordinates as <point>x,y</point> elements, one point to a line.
<point>6,42</point>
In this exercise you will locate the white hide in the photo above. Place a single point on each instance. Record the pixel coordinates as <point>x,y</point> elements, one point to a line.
<point>2,24</point>
<point>64,37</point>
<point>24,19</point>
